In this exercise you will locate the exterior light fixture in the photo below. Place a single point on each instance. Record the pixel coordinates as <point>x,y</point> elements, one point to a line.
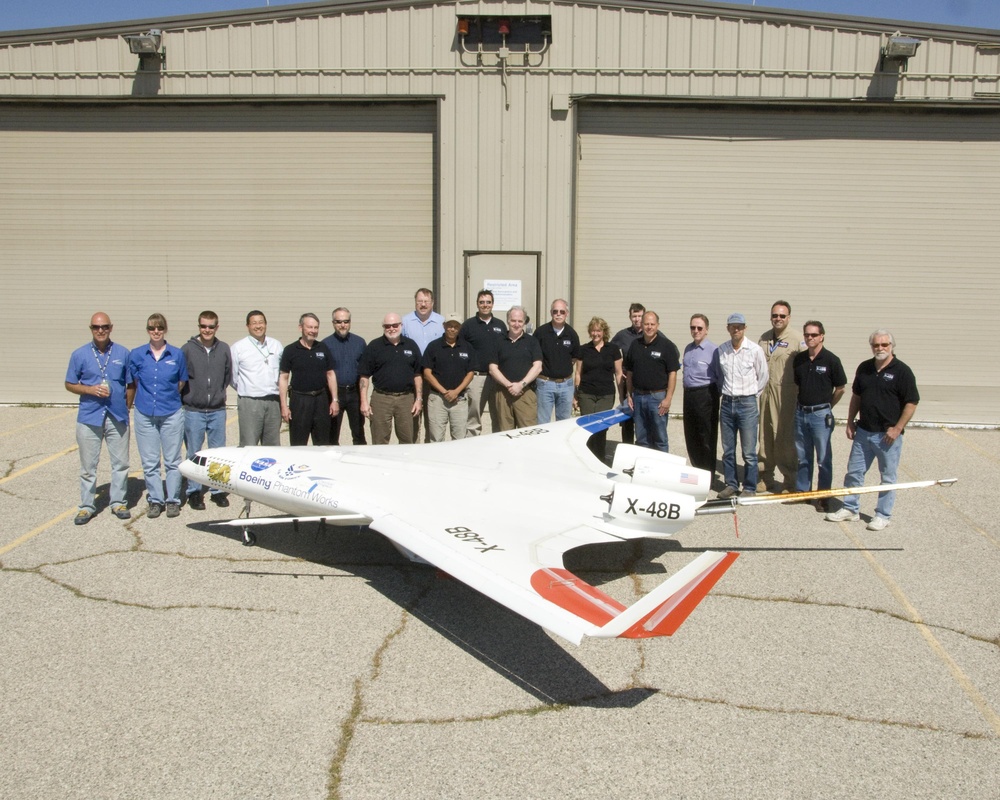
<point>148,46</point>
<point>899,48</point>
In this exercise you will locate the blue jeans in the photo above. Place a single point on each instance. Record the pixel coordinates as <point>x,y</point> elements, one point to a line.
<point>650,426</point>
<point>868,447</point>
<point>812,443</point>
<point>198,425</point>
<point>739,414</point>
<point>88,440</point>
<point>554,395</point>
<point>154,435</point>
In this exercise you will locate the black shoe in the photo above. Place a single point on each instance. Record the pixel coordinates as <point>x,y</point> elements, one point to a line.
<point>155,509</point>
<point>196,501</point>
<point>221,500</point>
<point>173,509</point>
<point>122,513</point>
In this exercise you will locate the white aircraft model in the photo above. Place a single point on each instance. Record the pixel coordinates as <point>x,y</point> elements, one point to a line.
<point>498,512</point>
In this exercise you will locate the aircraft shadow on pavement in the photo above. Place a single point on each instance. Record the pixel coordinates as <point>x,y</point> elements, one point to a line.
<point>513,647</point>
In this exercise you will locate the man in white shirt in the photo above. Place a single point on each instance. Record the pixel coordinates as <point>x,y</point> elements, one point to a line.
<point>256,359</point>
<point>740,370</point>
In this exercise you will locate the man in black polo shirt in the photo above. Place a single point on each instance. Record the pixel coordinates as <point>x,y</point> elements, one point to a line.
<point>514,367</point>
<point>447,365</point>
<point>560,351</point>
<point>307,386</point>
<point>482,333</point>
<point>885,396</point>
<point>624,339</point>
<point>651,366</point>
<point>820,379</point>
<point>391,363</point>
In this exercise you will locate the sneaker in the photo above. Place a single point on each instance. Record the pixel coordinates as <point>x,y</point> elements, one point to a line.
<point>83,516</point>
<point>196,501</point>
<point>748,493</point>
<point>173,509</point>
<point>221,500</point>
<point>155,509</point>
<point>727,493</point>
<point>844,515</point>
<point>121,512</point>
<point>878,524</point>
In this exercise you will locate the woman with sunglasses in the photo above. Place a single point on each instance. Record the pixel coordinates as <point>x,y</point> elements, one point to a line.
<point>159,372</point>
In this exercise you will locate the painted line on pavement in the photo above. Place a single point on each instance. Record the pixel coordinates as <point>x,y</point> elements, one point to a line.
<point>40,529</point>
<point>38,464</point>
<point>967,686</point>
<point>67,412</point>
<point>985,453</point>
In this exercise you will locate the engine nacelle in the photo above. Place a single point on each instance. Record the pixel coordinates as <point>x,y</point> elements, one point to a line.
<point>649,509</point>
<point>647,467</point>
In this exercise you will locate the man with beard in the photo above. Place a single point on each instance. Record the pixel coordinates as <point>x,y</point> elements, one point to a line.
<point>391,364</point>
<point>884,398</point>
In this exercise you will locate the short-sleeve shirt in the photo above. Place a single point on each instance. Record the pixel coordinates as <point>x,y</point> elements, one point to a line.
<point>157,381</point>
<point>558,350</point>
<point>391,367</point>
<point>88,366</point>
<point>346,353</point>
<point>597,369</point>
<point>817,378</point>
<point>883,394</point>
<point>515,359</point>
<point>448,363</point>
<point>307,365</point>
<point>652,362</point>
<point>483,338</point>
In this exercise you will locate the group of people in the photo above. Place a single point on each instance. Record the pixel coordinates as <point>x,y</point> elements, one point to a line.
<point>428,378</point>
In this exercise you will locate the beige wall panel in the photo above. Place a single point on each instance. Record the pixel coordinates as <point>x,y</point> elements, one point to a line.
<point>719,211</point>
<point>133,210</point>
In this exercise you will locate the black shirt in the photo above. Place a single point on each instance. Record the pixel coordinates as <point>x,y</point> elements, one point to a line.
<point>817,378</point>
<point>391,367</point>
<point>449,364</point>
<point>515,358</point>
<point>558,350</point>
<point>597,369</point>
<point>652,362</point>
<point>483,338</point>
<point>308,366</point>
<point>883,394</point>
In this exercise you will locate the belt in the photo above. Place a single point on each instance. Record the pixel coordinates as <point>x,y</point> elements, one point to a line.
<point>264,397</point>
<point>647,391</point>
<point>393,394</point>
<point>554,380</point>
<point>317,393</point>
<point>737,396</point>
<point>810,409</point>
<point>347,387</point>
<point>480,373</point>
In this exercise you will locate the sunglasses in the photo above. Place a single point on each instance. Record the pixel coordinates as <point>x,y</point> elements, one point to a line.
<point>152,328</point>
<point>779,316</point>
<point>389,325</point>
<point>100,327</point>
<point>208,327</point>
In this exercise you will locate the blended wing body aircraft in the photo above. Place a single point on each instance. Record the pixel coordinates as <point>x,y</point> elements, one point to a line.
<point>498,512</point>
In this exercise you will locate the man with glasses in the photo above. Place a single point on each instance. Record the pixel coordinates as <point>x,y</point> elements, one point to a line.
<point>97,372</point>
<point>346,348</point>
<point>210,371</point>
<point>884,398</point>
<point>256,360</point>
<point>776,438</point>
<point>560,346</point>
<point>820,379</point>
<point>483,333</point>
<point>701,397</point>
<point>391,364</point>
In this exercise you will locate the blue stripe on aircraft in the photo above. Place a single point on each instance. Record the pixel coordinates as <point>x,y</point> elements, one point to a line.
<point>602,420</point>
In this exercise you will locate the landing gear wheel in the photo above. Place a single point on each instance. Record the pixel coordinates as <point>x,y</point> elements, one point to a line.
<point>249,539</point>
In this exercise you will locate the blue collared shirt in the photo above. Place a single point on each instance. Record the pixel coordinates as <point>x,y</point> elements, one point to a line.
<point>86,368</point>
<point>697,364</point>
<point>346,354</point>
<point>423,333</point>
<point>156,382</point>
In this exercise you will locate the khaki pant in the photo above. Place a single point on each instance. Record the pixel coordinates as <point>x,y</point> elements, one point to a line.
<point>516,412</point>
<point>443,416</point>
<point>388,409</point>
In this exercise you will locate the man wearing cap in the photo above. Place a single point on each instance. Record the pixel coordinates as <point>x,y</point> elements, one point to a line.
<point>447,369</point>
<point>651,365</point>
<point>740,371</point>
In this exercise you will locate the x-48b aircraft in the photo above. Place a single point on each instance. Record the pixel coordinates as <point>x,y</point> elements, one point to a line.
<point>498,512</point>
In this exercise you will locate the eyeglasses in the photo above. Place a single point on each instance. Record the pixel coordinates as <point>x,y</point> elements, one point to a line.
<point>341,322</point>
<point>779,316</point>
<point>152,328</point>
<point>100,327</point>
<point>697,327</point>
<point>389,325</point>
<point>812,335</point>
<point>208,327</point>
<point>558,311</point>
<point>881,345</point>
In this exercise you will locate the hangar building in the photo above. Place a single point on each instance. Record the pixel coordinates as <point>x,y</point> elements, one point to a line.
<point>694,156</point>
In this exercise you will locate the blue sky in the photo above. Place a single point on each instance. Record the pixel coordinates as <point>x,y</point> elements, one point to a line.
<point>26,14</point>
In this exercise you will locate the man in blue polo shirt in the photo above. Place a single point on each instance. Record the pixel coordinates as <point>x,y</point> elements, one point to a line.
<point>346,349</point>
<point>97,373</point>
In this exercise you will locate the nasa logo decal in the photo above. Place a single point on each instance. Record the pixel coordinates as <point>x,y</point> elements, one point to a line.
<point>262,463</point>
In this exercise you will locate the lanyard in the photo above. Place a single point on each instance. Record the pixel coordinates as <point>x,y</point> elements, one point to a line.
<point>102,367</point>
<point>262,349</point>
